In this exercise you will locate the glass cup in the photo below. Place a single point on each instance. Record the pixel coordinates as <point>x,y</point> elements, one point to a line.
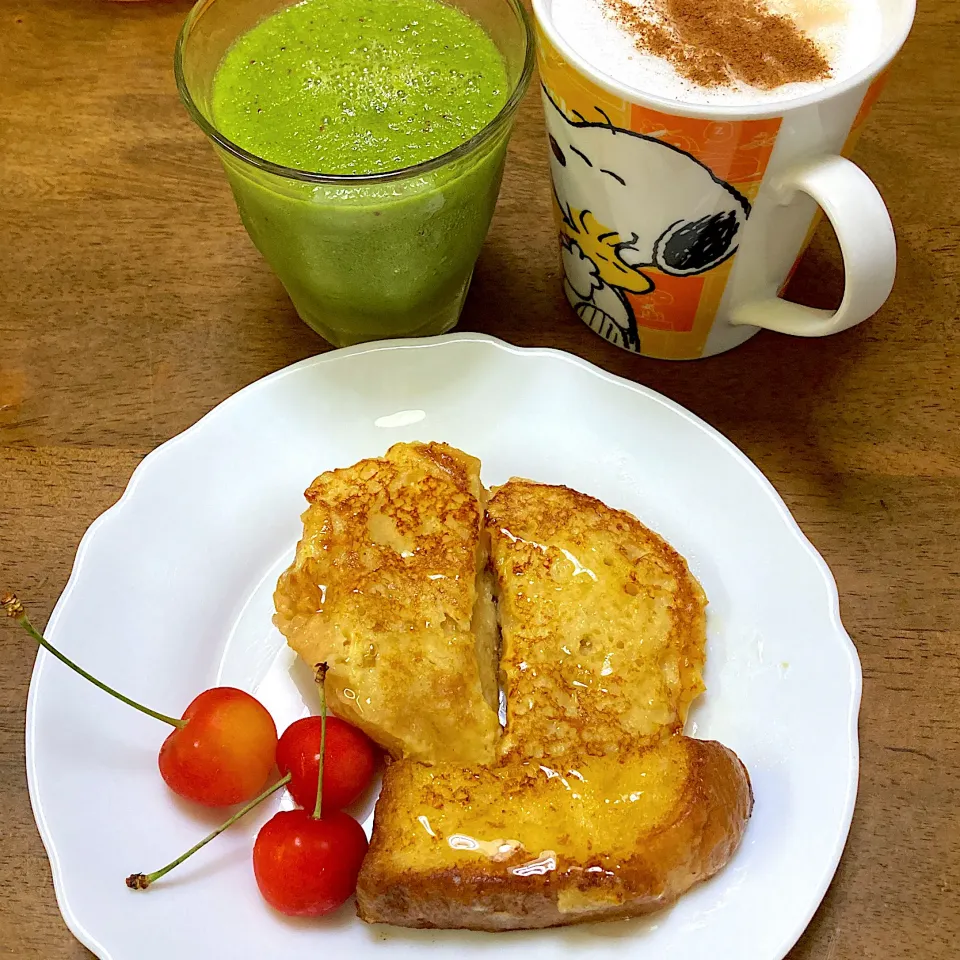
<point>369,256</point>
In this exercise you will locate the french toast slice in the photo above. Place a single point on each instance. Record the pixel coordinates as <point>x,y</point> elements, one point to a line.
<point>390,588</point>
<point>603,625</point>
<point>527,845</point>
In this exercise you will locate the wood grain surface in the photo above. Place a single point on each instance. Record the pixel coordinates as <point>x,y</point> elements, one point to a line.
<point>131,302</point>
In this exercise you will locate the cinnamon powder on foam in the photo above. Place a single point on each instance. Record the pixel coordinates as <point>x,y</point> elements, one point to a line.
<point>716,43</point>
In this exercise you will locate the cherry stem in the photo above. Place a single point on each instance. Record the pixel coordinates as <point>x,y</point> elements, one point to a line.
<point>15,610</point>
<point>321,676</point>
<point>140,881</point>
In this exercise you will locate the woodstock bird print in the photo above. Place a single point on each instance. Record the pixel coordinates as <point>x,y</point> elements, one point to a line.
<point>632,206</point>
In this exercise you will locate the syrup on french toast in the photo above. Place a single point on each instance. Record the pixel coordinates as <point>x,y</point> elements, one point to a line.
<point>603,625</point>
<point>526,844</point>
<point>390,588</point>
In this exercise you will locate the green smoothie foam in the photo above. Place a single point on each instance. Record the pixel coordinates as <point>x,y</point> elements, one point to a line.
<point>348,87</point>
<point>359,86</point>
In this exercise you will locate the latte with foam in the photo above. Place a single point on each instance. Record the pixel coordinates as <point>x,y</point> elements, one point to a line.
<point>730,52</point>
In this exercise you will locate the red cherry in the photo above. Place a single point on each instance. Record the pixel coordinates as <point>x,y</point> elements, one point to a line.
<point>306,867</point>
<point>221,751</point>
<point>224,752</point>
<point>348,768</point>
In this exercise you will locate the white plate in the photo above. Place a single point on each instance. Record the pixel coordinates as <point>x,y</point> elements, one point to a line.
<point>171,593</point>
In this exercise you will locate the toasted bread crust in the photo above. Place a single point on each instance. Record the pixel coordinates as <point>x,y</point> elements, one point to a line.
<point>384,588</point>
<point>513,847</point>
<point>603,624</point>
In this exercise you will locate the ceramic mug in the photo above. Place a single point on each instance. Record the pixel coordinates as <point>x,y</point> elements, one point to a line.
<point>681,224</point>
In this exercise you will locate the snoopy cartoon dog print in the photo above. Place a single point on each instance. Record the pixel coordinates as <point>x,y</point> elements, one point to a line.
<point>632,206</point>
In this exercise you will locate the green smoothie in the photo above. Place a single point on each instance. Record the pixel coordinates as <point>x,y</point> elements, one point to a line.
<point>365,87</point>
<point>359,86</point>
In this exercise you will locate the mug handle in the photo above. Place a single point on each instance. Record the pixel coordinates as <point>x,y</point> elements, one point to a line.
<point>862,224</point>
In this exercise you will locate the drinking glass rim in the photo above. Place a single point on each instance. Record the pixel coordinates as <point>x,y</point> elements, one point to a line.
<point>402,173</point>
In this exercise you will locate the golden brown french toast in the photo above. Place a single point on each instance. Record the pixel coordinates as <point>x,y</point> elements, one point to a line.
<point>390,587</point>
<point>528,844</point>
<point>603,625</point>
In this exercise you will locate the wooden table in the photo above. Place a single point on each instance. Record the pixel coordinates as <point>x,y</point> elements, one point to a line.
<point>132,302</point>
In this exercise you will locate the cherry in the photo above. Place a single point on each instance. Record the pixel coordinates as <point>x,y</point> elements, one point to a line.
<point>350,761</point>
<point>224,750</point>
<point>220,752</point>
<point>306,867</point>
